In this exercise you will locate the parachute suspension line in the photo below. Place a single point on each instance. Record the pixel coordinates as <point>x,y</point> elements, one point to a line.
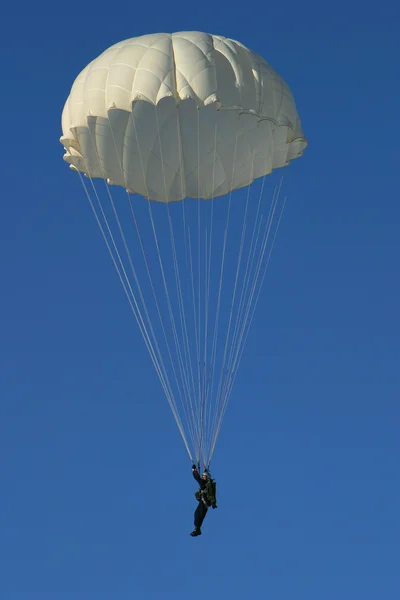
<point>251,303</point>
<point>170,396</point>
<point>195,331</point>
<point>225,372</point>
<point>208,376</point>
<point>265,267</point>
<point>148,272</point>
<point>204,379</point>
<point>182,314</point>
<point>185,384</point>
<point>120,269</point>
<point>201,367</point>
<point>236,347</point>
<point>183,381</point>
<point>130,260</point>
<point>250,262</point>
<point>255,241</point>
<point>124,270</point>
<point>186,336</point>
<point>265,236</point>
<point>248,270</point>
<point>189,283</point>
<point>221,276</point>
<point>200,403</point>
<point>190,300</point>
<point>157,303</point>
<point>163,325</point>
<point>252,316</point>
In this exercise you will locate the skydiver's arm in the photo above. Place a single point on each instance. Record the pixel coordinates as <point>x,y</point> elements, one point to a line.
<point>196,475</point>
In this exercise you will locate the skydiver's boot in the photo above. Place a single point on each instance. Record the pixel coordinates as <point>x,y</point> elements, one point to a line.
<point>196,532</point>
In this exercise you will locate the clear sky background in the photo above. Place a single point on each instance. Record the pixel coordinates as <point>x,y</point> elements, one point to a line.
<point>96,491</point>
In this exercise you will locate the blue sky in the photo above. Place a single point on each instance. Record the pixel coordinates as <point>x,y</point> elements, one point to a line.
<point>97,497</point>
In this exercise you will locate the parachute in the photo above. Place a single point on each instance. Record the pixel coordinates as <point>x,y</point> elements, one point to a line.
<point>164,130</point>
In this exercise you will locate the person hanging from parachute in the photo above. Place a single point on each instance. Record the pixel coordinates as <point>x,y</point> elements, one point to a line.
<point>206,497</point>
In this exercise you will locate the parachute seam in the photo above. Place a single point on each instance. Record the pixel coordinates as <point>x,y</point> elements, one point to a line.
<point>178,121</point>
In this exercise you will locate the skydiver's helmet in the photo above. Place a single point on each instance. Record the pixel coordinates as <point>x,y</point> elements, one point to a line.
<point>206,474</point>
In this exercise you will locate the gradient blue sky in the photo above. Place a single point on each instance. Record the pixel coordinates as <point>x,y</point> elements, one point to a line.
<point>96,492</point>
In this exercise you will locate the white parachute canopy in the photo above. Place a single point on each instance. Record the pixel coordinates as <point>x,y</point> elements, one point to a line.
<point>169,117</point>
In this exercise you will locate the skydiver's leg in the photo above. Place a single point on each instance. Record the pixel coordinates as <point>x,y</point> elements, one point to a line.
<point>199,515</point>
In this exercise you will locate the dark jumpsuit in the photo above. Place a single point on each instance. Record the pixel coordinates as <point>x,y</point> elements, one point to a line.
<point>202,508</point>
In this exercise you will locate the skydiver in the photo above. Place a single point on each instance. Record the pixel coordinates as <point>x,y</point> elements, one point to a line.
<point>206,495</point>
